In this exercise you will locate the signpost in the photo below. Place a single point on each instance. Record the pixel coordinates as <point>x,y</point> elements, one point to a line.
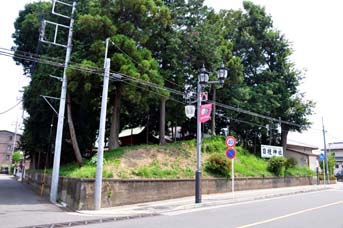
<point>230,141</point>
<point>322,158</point>
<point>231,154</point>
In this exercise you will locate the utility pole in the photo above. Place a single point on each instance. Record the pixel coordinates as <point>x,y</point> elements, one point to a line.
<point>326,157</point>
<point>15,136</point>
<point>101,138</point>
<point>59,133</point>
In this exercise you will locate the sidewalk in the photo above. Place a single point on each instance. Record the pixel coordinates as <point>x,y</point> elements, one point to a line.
<point>175,206</point>
<point>20,207</point>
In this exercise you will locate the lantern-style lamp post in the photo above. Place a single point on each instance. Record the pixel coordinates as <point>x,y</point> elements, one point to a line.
<point>203,79</point>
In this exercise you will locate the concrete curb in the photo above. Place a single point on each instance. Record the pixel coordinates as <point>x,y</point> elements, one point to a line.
<point>90,221</point>
<point>247,199</point>
<point>165,207</point>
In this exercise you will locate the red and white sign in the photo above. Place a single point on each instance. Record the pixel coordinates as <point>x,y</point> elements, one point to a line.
<point>230,141</point>
<point>204,96</point>
<point>205,112</point>
<point>231,153</point>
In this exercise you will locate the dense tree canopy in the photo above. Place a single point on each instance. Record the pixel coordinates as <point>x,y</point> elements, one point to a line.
<point>163,43</point>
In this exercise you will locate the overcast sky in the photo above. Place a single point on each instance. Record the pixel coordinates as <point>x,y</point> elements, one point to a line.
<point>313,27</point>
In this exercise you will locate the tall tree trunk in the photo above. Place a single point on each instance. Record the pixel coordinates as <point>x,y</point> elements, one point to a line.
<point>284,134</point>
<point>73,134</point>
<point>162,120</point>
<point>33,164</point>
<point>147,130</point>
<point>213,129</point>
<point>38,162</point>
<point>115,119</point>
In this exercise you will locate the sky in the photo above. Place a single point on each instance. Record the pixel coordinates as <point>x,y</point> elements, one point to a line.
<point>314,28</point>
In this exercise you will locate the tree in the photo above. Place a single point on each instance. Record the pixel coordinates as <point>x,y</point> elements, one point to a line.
<point>17,156</point>
<point>94,23</point>
<point>155,44</point>
<point>271,80</point>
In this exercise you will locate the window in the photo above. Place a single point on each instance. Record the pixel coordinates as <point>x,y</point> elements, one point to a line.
<point>337,166</point>
<point>9,148</point>
<point>11,137</point>
<point>7,157</point>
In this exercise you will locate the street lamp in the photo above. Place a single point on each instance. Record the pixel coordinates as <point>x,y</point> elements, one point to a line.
<point>222,73</point>
<point>203,79</point>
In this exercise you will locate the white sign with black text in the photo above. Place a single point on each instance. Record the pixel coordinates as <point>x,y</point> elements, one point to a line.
<point>268,151</point>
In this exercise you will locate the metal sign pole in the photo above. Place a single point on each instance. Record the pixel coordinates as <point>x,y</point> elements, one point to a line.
<point>233,178</point>
<point>326,156</point>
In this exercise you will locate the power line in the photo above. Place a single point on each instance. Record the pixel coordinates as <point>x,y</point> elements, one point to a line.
<point>125,53</point>
<point>114,75</point>
<point>93,70</point>
<point>146,89</point>
<point>11,108</point>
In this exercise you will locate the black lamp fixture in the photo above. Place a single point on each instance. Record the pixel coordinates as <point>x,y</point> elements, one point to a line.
<point>222,73</point>
<point>203,75</point>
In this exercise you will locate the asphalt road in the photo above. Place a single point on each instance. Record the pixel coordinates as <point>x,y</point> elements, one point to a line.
<point>316,209</point>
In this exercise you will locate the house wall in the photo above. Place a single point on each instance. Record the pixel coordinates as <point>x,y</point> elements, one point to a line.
<point>313,162</point>
<point>78,194</point>
<point>339,156</point>
<point>301,159</point>
<point>6,144</point>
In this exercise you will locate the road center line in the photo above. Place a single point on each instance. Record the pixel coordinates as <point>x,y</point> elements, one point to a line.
<point>291,214</point>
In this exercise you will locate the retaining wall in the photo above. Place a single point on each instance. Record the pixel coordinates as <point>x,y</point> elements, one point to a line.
<point>78,193</point>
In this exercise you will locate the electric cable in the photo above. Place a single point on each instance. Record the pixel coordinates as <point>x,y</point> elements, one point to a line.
<point>11,108</point>
<point>98,71</point>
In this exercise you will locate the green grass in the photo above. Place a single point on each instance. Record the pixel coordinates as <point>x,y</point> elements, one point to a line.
<point>246,164</point>
<point>86,171</point>
<point>157,170</point>
<point>178,162</point>
<point>299,171</point>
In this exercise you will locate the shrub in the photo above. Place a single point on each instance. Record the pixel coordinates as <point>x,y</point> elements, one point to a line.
<point>218,165</point>
<point>290,163</point>
<point>17,156</point>
<point>94,160</point>
<point>332,177</point>
<point>300,171</point>
<point>331,163</point>
<point>276,165</point>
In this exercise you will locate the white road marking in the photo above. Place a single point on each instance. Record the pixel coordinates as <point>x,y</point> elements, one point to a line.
<point>291,214</point>
<point>191,210</point>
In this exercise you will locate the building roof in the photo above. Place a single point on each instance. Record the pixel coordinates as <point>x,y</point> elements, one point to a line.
<point>9,132</point>
<point>293,143</point>
<point>131,131</point>
<point>335,146</point>
<point>302,152</point>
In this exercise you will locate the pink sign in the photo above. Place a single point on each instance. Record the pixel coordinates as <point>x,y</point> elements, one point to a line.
<point>205,112</point>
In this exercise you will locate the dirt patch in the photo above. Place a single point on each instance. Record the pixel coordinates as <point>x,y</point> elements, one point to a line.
<point>145,156</point>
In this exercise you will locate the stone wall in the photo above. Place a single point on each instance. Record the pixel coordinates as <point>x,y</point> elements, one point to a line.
<point>78,193</point>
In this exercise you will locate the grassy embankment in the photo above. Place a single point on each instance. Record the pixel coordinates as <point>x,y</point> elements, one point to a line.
<point>175,160</point>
